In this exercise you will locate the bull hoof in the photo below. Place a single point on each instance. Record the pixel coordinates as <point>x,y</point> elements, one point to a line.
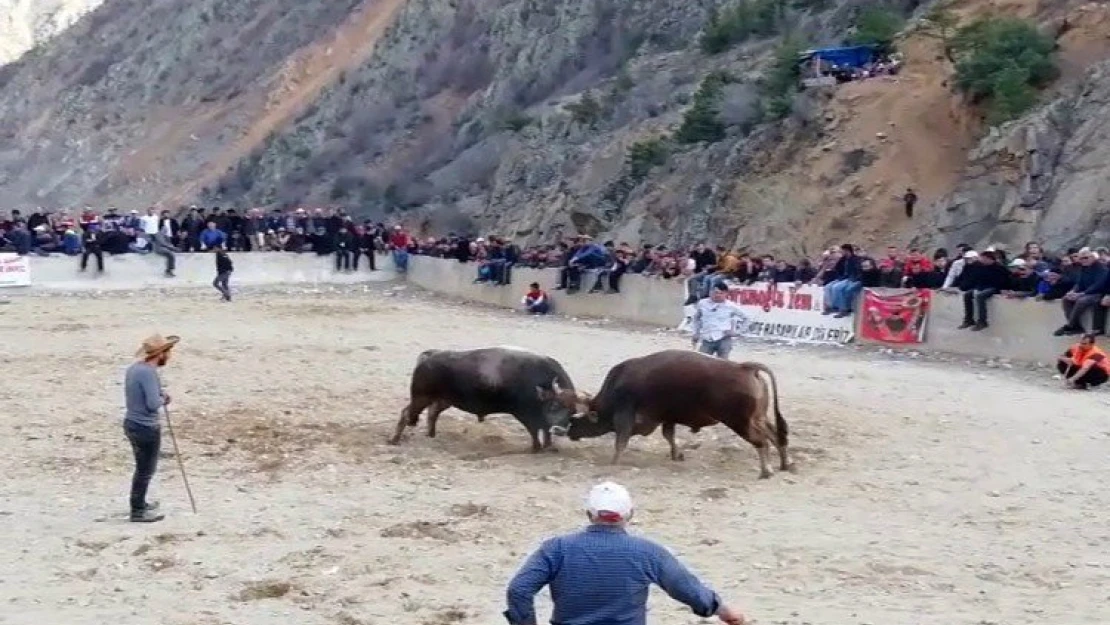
<point>765,475</point>
<point>791,467</point>
<point>679,457</point>
<point>431,434</point>
<point>394,440</point>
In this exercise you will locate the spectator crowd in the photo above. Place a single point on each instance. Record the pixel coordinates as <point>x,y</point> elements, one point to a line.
<point>1078,278</point>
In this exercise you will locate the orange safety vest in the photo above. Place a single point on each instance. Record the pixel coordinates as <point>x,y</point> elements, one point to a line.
<point>1080,356</point>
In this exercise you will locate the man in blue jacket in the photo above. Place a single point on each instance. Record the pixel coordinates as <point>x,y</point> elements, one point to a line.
<point>601,575</point>
<point>1087,293</point>
<point>841,291</point>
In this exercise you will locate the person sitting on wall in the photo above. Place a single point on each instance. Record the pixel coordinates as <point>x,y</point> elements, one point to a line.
<point>1090,286</point>
<point>1023,281</point>
<point>1084,365</point>
<point>535,300</point>
<point>843,283</point>
<point>979,282</point>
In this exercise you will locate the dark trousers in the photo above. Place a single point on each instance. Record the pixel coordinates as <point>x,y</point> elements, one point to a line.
<point>612,277</point>
<point>162,247</point>
<point>342,260</point>
<point>975,305</point>
<point>1074,310</point>
<point>369,258</point>
<point>145,441</point>
<point>1093,377</point>
<point>222,284</point>
<point>570,278</point>
<point>99,259</point>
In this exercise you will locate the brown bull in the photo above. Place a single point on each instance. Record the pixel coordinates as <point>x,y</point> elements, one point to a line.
<point>678,387</point>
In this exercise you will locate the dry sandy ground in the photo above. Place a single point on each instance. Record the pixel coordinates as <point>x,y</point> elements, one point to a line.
<point>923,495</point>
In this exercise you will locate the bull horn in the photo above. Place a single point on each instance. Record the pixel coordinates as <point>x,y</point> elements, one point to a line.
<point>558,430</point>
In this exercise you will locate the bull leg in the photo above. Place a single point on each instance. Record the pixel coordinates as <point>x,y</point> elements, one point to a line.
<point>757,436</point>
<point>409,417</point>
<point>624,421</point>
<point>537,447</point>
<point>785,463</point>
<point>547,440</point>
<point>764,452</point>
<point>433,416</point>
<point>668,433</point>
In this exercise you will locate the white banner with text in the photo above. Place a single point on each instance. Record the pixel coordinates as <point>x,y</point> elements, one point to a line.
<point>15,270</point>
<point>786,312</point>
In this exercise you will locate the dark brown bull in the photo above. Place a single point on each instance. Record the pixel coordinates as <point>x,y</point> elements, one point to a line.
<point>678,387</point>
<point>495,380</point>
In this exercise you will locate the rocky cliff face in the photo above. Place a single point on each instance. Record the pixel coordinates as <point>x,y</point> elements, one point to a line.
<point>1043,178</point>
<point>25,24</point>
<point>528,118</point>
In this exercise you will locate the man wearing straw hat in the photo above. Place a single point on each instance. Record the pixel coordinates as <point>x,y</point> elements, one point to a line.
<point>144,397</point>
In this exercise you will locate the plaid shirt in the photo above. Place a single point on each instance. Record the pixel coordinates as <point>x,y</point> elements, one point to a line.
<point>601,576</point>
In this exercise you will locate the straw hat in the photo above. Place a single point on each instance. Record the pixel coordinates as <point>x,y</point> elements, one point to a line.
<point>156,345</point>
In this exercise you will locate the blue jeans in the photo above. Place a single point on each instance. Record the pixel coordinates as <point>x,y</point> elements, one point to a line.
<point>720,348</point>
<point>538,308</point>
<point>846,295</point>
<point>840,294</point>
<point>401,260</point>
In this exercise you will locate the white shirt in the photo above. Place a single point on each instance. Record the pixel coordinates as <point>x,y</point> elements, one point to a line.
<point>714,321</point>
<point>150,224</point>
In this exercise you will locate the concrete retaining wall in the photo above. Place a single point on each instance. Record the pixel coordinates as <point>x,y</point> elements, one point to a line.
<point>641,300</point>
<point>132,271</point>
<point>1020,330</point>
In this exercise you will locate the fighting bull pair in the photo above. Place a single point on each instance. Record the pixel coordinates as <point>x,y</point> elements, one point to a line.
<point>667,389</point>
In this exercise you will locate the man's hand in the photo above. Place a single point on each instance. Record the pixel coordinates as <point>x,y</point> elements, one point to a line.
<point>165,399</point>
<point>730,616</point>
<point>1105,301</point>
<point>1071,296</point>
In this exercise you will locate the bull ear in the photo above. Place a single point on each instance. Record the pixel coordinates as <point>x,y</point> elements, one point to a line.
<point>544,394</point>
<point>555,387</point>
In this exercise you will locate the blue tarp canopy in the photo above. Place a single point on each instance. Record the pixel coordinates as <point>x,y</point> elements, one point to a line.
<point>850,57</point>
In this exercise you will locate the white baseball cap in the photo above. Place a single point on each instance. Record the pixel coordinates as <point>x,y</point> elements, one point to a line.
<point>609,502</point>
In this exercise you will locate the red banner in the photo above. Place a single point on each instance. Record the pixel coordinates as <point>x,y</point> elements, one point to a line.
<point>895,315</point>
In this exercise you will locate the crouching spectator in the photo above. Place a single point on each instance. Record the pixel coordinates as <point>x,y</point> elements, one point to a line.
<point>535,300</point>
<point>1084,365</point>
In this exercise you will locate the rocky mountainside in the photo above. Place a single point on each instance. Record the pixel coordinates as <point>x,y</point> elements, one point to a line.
<point>532,118</point>
<point>27,23</point>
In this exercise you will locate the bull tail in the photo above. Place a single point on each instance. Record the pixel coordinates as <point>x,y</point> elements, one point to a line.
<point>782,431</point>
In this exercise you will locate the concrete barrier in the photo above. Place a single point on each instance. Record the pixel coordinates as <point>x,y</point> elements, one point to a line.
<point>641,300</point>
<point>133,271</point>
<point>1020,330</point>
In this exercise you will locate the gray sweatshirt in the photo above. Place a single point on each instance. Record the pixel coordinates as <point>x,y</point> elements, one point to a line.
<point>143,394</point>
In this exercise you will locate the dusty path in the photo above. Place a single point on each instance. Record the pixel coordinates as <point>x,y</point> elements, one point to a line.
<point>925,493</point>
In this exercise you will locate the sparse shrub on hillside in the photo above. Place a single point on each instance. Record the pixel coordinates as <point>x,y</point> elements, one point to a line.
<point>702,122</point>
<point>741,21</point>
<point>643,155</point>
<point>779,84</point>
<point>587,110</point>
<point>876,26</point>
<point>941,23</point>
<point>1001,61</point>
<point>515,121</point>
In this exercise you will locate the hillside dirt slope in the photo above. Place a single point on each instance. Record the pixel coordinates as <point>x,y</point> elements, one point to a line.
<point>518,117</point>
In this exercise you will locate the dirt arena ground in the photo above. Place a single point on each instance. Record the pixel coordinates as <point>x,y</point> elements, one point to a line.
<point>925,493</point>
